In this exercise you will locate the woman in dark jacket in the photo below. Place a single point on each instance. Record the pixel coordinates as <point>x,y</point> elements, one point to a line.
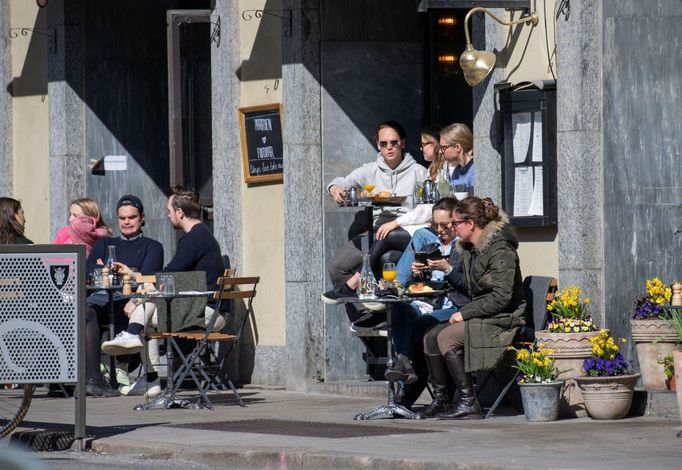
<point>12,223</point>
<point>478,334</point>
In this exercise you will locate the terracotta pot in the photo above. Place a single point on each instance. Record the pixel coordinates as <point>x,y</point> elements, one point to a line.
<point>607,397</point>
<point>541,401</point>
<point>570,350</point>
<point>677,362</point>
<point>653,338</point>
<point>670,383</point>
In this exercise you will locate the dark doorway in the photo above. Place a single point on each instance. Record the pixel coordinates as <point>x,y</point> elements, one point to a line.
<point>189,50</point>
<point>447,96</point>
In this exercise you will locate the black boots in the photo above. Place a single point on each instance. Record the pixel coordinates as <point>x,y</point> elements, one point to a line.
<point>440,386</point>
<point>467,407</point>
<point>100,388</point>
<point>401,370</point>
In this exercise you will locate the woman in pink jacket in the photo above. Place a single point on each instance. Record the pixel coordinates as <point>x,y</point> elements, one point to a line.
<point>85,225</point>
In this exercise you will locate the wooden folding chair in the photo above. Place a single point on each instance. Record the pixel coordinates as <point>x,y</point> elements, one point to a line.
<point>198,363</point>
<point>539,293</point>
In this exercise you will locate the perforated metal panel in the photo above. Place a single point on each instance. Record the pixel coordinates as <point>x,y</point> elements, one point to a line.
<point>39,297</point>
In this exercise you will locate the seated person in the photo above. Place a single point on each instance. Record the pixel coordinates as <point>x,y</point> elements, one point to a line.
<point>197,250</point>
<point>411,321</point>
<point>388,237</point>
<point>85,227</point>
<point>12,223</point>
<point>133,249</point>
<point>455,144</point>
<point>393,171</point>
<point>478,334</point>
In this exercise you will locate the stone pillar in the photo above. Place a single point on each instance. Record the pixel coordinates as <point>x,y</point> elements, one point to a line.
<point>227,164</point>
<point>5,102</point>
<point>579,150</point>
<point>304,254</point>
<point>67,163</point>
<point>488,35</point>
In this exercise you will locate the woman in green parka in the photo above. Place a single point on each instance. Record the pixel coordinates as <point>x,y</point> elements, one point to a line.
<point>478,335</point>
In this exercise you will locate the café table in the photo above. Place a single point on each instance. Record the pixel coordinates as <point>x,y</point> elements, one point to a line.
<point>168,398</point>
<point>391,408</point>
<point>111,291</point>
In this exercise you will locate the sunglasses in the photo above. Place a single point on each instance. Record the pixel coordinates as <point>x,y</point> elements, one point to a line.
<point>383,144</point>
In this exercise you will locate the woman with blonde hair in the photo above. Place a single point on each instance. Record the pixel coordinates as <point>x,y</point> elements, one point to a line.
<point>457,149</point>
<point>86,225</point>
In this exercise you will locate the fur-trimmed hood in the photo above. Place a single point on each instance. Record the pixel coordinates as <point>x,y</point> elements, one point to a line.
<point>496,231</point>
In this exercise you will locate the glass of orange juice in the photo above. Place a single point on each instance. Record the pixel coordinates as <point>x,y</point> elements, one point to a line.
<point>389,273</point>
<point>369,188</point>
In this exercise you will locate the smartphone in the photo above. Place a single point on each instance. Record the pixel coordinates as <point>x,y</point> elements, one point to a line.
<point>420,257</point>
<point>436,255</point>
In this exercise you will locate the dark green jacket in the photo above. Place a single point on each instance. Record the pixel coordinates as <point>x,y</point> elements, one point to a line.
<point>496,310</point>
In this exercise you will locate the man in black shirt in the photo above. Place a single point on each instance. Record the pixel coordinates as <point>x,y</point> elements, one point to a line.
<point>197,250</point>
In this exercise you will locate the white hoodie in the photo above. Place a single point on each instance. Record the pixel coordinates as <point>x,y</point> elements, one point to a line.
<point>399,182</point>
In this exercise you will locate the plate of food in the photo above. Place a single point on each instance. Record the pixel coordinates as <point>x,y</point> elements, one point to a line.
<point>384,198</point>
<point>420,289</point>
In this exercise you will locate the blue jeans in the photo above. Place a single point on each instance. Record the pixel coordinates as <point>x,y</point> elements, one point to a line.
<point>420,239</point>
<point>409,325</point>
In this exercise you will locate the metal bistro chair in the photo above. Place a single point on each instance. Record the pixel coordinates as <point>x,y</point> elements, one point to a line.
<point>539,291</point>
<point>201,363</point>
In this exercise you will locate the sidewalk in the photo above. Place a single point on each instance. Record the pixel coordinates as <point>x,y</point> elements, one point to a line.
<point>503,442</point>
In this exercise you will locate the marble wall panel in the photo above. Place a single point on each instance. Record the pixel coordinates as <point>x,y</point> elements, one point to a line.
<point>227,165</point>
<point>302,190</point>
<point>365,84</point>
<point>641,139</point>
<point>5,104</point>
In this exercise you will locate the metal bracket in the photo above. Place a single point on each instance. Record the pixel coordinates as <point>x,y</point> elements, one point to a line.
<point>50,33</point>
<point>564,8</point>
<point>286,15</point>
<point>179,20</point>
<point>215,33</point>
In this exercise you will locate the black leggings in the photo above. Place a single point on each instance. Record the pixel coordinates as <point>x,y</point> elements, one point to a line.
<point>397,239</point>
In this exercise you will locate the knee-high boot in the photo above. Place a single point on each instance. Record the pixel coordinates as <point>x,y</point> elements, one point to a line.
<point>467,407</point>
<point>439,378</point>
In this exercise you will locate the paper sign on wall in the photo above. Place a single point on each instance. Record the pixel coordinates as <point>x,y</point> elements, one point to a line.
<point>115,163</point>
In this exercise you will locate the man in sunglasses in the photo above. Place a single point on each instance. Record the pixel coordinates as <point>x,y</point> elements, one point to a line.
<point>393,171</point>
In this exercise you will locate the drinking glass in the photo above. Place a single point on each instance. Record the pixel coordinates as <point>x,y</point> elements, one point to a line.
<point>166,284</point>
<point>389,273</point>
<point>97,277</point>
<point>418,194</point>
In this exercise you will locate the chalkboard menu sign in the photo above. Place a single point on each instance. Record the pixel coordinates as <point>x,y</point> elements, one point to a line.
<point>262,149</point>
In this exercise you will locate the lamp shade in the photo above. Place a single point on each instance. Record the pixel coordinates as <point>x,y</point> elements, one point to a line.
<point>476,65</point>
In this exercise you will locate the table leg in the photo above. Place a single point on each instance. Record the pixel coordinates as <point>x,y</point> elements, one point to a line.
<point>390,409</point>
<point>167,400</point>
<point>369,213</point>
<point>112,333</point>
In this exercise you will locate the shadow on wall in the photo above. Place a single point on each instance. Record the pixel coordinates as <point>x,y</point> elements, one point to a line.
<point>33,78</point>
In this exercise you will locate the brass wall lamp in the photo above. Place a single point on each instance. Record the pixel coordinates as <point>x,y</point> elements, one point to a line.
<point>476,65</point>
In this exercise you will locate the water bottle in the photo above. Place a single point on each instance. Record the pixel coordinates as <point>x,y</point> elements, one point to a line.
<point>352,197</point>
<point>111,259</point>
<point>429,189</point>
<point>368,283</point>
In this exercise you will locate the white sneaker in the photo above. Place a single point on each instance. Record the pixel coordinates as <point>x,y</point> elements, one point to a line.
<point>123,343</point>
<point>141,387</point>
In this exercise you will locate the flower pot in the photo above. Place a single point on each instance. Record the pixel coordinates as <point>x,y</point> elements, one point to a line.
<point>671,383</point>
<point>607,397</point>
<point>653,338</point>
<point>677,362</point>
<point>541,401</point>
<point>570,350</point>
